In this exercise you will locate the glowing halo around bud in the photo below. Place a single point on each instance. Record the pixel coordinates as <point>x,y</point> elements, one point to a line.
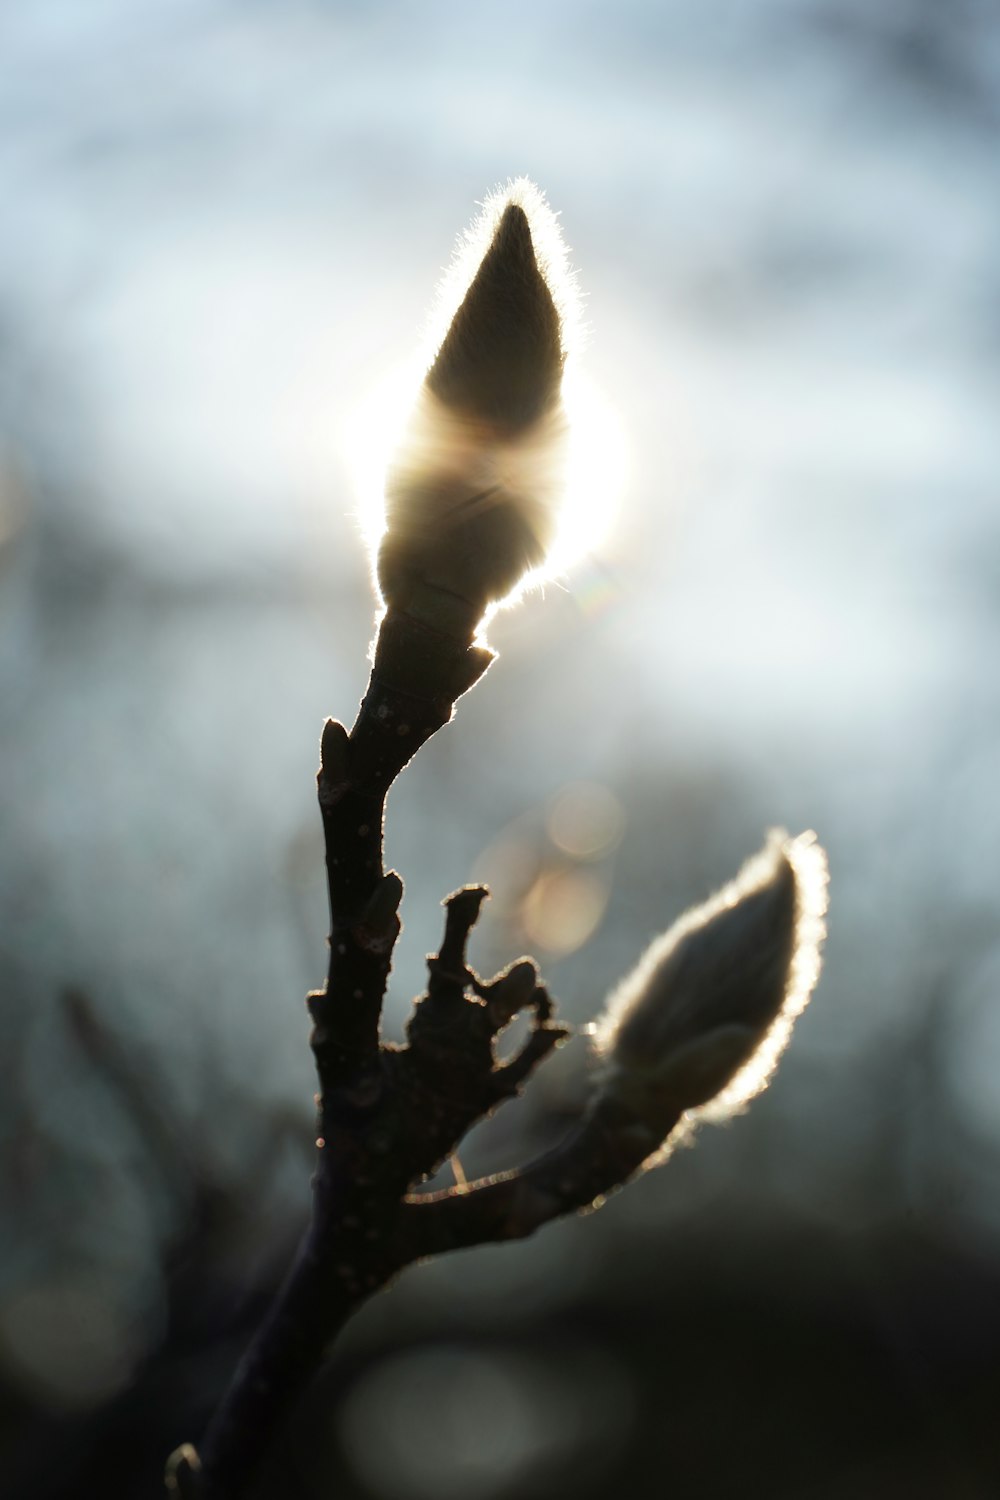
<point>596,464</point>
<point>551,255</point>
<point>596,475</point>
<point>368,438</point>
<point>446,429</point>
<point>697,1028</point>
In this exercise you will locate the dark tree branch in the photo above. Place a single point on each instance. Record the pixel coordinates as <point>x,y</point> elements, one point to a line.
<point>605,1150</point>
<point>387,1116</point>
<point>417,675</point>
<point>712,997</point>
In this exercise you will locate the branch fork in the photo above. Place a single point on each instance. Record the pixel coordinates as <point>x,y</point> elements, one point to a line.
<point>703,1016</point>
<point>387,1116</point>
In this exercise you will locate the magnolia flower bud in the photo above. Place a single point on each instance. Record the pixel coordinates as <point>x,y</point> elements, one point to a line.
<point>471,491</point>
<point>710,1006</point>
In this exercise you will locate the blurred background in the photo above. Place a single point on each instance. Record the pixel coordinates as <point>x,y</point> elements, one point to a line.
<point>224,220</point>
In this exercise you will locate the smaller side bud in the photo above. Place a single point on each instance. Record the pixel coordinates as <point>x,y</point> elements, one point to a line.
<point>379,926</point>
<point>705,1015</point>
<point>334,763</point>
<point>334,751</point>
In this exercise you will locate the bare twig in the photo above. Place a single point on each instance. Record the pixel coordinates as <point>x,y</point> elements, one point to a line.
<point>711,998</point>
<point>387,1116</point>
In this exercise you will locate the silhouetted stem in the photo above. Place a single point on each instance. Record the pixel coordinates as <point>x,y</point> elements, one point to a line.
<point>376,1134</point>
<point>417,675</point>
<point>605,1150</point>
<point>285,1354</point>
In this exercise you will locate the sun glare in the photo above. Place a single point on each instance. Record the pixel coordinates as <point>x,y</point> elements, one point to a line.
<point>369,437</point>
<point>595,473</point>
<point>574,476</point>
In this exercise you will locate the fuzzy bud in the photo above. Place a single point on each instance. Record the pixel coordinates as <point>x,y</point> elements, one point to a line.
<point>710,1006</point>
<point>473,487</point>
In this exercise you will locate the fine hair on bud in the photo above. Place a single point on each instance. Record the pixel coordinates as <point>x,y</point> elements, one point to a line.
<point>701,1021</point>
<point>501,362</point>
<point>473,488</point>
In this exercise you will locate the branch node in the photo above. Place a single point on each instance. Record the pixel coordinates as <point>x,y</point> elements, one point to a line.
<point>379,926</point>
<point>542,1040</point>
<point>333,779</point>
